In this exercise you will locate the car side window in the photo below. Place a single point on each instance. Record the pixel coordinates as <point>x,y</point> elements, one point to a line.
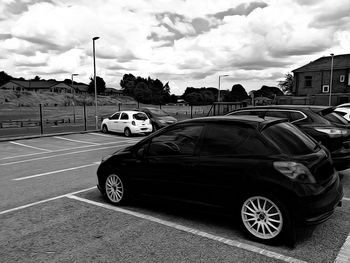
<point>124,116</point>
<point>296,116</point>
<point>278,114</point>
<point>178,141</point>
<point>248,112</point>
<point>115,116</point>
<point>231,139</point>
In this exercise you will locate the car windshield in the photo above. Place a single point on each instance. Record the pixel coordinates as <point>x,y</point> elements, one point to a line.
<point>158,112</point>
<point>289,139</point>
<point>139,116</point>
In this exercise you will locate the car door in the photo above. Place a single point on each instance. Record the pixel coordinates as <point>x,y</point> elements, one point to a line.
<point>230,156</point>
<point>123,122</point>
<point>168,161</point>
<point>113,122</point>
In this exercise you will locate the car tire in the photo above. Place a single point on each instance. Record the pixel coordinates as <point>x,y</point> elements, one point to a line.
<point>115,190</point>
<point>127,132</point>
<point>266,219</point>
<point>104,128</point>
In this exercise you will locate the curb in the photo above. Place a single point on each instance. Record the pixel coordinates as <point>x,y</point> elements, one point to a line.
<point>44,135</point>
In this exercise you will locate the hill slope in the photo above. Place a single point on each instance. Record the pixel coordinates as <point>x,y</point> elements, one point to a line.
<point>9,98</point>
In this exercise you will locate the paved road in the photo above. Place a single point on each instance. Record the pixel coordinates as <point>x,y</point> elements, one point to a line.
<point>50,211</point>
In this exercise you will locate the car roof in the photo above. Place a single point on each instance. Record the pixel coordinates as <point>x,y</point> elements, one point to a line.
<point>286,107</point>
<point>129,111</point>
<point>251,120</point>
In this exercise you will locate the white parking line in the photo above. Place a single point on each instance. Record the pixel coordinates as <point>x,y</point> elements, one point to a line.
<point>44,201</point>
<point>28,146</point>
<point>55,172</point>
<point>344,254</point>
<point>193,231</point>
<point>62,154</point>
<point>346,198</point>
<point>101,134</point>
<point>71,140</point>
<point>65,149</point>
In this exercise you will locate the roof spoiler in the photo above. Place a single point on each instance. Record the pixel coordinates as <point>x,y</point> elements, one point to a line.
<point>271,121</point>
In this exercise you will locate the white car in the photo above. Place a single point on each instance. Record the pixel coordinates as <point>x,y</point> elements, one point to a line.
<point>127,122</point>
<point>344,112</point>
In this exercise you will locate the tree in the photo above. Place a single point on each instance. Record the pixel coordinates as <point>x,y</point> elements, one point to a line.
<point>4,77</point>
<point>287,84</point>
<point>128,83</point>
<point>269,92</point>
<point>238,93</point>
<point>100,85</point>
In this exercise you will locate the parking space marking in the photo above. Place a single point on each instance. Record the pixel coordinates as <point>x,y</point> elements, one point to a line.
<point>193,231</point>
<point>45,200</point>
<point>344,254</point>
<point>346,198</point>
<point>71,140</point>
<point>28,146</point>
<point>63,154</point>
<point>66,149</point>
<point>55,172</point>
<point>104,135</point>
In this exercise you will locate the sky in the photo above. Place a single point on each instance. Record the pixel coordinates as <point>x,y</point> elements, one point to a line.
<point>188,43</point>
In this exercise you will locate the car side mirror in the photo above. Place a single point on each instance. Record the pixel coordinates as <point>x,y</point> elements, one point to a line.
<point>140,153</point>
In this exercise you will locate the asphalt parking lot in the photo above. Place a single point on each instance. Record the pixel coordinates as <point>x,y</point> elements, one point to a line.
<point>51,211</point>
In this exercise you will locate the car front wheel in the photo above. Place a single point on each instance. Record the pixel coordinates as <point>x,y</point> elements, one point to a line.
<point>104,128</point>
<point>265,218</point>
<point>115,189</point>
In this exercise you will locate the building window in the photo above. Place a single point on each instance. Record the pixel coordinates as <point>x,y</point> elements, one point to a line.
<point>342,78</point>
<point>325,88</point>
<point>308,82</point>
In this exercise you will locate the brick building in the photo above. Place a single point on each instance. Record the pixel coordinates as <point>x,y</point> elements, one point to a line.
<point>313,79</point>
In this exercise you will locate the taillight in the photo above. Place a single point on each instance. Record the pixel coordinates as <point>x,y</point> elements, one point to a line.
<point>295,171</point>
<point>133,123</point>
<point>333,132</point>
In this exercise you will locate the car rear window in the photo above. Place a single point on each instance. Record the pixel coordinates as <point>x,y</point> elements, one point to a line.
<point>140,116</point>
<point>289,139</point>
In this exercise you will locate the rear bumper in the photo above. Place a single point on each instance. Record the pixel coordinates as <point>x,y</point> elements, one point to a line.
<point>317,209</point>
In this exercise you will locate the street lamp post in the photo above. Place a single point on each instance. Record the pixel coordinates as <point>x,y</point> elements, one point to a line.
<point>73,96</point>
<point>219,99</point>
<point>219,86</point>
<point>330,82</point>
<point>93,50</point>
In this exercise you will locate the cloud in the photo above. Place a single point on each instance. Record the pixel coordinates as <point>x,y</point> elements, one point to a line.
<point>30,64</point>
<point>5,36</point>
<point>240,10</point>
<point>19,6</point>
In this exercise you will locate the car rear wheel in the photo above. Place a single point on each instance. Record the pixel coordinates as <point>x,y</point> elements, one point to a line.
<point>265,218</point>
<point>104,128</point>
<point>115,189</point>
<point>127,132</point>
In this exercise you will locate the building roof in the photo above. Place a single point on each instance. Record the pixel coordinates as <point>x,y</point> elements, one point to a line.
<point>81,87</point>
<point>324,63</point>
<point>34,84</point>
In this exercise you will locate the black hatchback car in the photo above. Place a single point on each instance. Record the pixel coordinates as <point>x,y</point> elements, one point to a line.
<point>335,136</point>
<point>158,117</point>
<point>267,172</point>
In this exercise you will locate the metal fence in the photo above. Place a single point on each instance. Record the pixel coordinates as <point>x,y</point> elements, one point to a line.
<point>22,121</point>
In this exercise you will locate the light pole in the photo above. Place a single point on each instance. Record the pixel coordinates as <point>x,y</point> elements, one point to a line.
<point>330,82</point>
<point>73,96</point>
<point>219,86</point>
<point>93,50</point>
<point>219,92</point>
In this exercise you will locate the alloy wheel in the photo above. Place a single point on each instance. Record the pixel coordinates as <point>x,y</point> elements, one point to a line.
<point>114,188</point>
<point>262,217</point>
